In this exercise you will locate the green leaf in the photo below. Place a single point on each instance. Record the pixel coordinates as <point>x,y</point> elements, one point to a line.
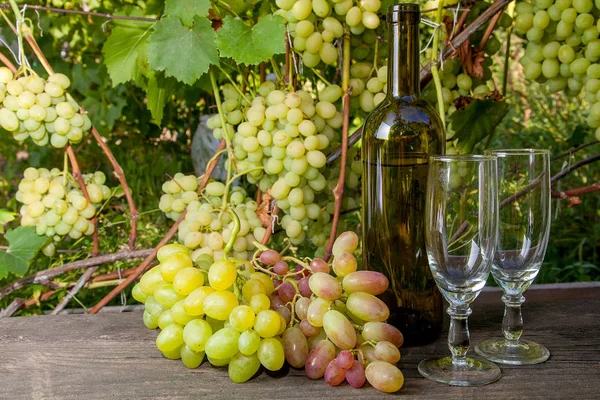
<point>186,10</point>
<point>5,217</point>
<point>123,50</point>
<point>578,137</point>
<point>183,53</point>
<point>23,245</point>
<point>253,45</point>
<point>478,120</point>
<point>158,94</point>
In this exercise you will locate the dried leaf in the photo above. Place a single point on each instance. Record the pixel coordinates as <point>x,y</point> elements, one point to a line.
<point>264,209</point>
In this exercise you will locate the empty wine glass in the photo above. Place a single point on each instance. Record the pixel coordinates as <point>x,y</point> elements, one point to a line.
<point>461,224</point>
<point>524,212</point>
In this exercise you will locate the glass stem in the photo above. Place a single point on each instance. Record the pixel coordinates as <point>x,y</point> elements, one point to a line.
<point>458,336</point>
<point>512,323</point>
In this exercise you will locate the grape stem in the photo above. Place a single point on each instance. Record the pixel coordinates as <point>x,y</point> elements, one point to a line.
<point>234,231</point>
<point>338,191</point>
<point>79,179</point>
<point>8,64</point>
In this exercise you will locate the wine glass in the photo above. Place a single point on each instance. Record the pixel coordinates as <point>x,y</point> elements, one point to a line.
<point>461,225</point>
<point>524,193</point>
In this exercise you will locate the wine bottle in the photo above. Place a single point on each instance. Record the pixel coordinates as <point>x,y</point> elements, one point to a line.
<point>398,136</point>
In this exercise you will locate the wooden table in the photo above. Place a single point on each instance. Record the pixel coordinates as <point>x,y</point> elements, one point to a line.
<point>110,356</point>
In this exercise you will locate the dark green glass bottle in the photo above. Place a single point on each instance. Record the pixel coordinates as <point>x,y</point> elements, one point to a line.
<point>398,137</point>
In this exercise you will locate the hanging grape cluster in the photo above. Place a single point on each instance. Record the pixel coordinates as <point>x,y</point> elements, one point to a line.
<point>563,49</point>
<point>55,205</point>
<point>315,25</point>
<point>41,109</point>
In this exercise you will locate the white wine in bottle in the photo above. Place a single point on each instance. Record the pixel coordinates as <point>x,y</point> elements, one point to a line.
<point>398,137</point>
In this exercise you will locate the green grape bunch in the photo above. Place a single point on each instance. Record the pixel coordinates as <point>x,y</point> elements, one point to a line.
<point>563,48</point>
<point>55,205</point>
<point>315,25</point>
<point>41,109</point>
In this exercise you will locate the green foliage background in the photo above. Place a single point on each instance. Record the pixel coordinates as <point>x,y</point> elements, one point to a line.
<point>125,105</point>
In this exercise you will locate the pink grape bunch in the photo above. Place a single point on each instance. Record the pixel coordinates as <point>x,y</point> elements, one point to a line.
<point>336,314</point>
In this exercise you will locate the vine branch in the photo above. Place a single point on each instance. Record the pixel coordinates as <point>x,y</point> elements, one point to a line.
<point>77,175</point>
<point>338,191</point>
<point>8,64</point>
<point>46,275</point>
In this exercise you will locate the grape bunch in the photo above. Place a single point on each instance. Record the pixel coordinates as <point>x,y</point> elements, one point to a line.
<point>245,315</point>
<point>282,143</point>
<point>563,49</point>
<point>41,109</point>
<point>315,25</point>
<point>56,206</point>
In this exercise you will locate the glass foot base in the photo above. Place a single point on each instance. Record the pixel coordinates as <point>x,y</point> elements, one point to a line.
<point>473,373</point>
<point>503,352</point>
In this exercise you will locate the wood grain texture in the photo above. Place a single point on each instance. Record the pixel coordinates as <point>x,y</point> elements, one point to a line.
<point>112,356</point>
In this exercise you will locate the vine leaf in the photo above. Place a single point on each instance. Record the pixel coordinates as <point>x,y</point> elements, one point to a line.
<point>159,91</point>
<point>186,10</point>
<point>23,245</point>
<point>182,52</point>
<point>253,45</point>
<point>5,217</point>
<point>476,121</point>
<point>123,50</point>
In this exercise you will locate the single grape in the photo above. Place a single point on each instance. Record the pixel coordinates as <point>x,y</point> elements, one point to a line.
<point>319,265</point>
<point>286,292</point>
<point>269,257</point>
<point>367,307</point>
<point>295,347</point>
<point>196,333</point>
<point>242,368</point>
<point>316,311</point>
<point>334,374</point>
<point>386,351</point>
<point>242,318</point>
<point>222,274</point>
<point>222,344</point>
<point>170,338</point>
<point>339,330</point>
<point>267,323</point>
<point>384,376</point>
<point>191,358</point>
<point>371,282</point>
<point>325,286</point>
<point>319,358</point>
<point>248,342</point>
<point>271,353</point>
<point>381,331</point>
<point>355,375</point>
<point>187,280</point>
<point>281,268</point>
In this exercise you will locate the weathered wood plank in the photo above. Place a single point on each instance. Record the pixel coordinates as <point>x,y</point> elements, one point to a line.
<point>113,356</point>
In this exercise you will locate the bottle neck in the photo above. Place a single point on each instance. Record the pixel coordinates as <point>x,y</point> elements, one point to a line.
<point>403,60</point>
